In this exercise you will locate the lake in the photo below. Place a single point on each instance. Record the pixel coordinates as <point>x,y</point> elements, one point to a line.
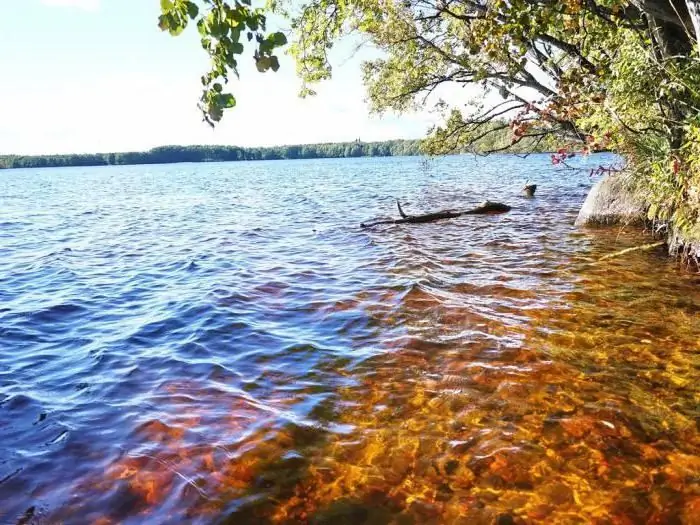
<point>222,343</point>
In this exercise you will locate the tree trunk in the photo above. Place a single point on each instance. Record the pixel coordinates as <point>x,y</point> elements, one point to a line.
<point>673,23</point>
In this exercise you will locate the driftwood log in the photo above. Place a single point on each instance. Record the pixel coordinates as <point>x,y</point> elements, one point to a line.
<point>485,208</point>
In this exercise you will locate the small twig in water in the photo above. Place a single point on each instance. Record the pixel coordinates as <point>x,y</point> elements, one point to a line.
<point>633,249</point>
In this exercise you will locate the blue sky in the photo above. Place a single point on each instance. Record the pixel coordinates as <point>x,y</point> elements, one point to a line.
<point>98,75</point>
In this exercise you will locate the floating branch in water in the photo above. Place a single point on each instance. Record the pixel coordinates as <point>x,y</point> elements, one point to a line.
<point>485,208</point>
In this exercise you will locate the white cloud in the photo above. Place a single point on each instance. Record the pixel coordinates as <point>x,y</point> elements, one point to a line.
<point>87,5</point>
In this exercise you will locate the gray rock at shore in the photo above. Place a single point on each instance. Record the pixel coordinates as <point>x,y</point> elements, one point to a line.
<point>612,201</point>
<point>686,249</point>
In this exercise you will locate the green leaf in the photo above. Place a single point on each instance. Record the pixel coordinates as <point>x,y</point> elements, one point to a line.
<point>278,38</point>
<point>226,100</point>
<point>217,87</point>
<point>215,113</point>
<point>192,9</point>
<point>218,30</point>
<point>175,28</point>
<point>170,23</point>
<point>163,23</point>
<point>166,5</point>
<point>236,48</point>
<point>266,46</point>
<point>653,211</point>
<point>203,27</point>
<point>263,64</point>
<point>274,63</point>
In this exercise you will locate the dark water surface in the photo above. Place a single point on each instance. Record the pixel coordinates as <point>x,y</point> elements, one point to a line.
<point>221,343</point>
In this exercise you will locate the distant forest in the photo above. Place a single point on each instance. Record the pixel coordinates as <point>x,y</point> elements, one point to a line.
<point>174,154</point>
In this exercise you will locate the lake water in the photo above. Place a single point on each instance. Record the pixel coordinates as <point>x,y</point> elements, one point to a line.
<point>222,343</point>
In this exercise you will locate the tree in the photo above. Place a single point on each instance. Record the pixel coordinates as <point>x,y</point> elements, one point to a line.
<point>544,58</point>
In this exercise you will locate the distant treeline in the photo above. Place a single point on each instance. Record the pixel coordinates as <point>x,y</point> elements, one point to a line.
<point>174,154</point>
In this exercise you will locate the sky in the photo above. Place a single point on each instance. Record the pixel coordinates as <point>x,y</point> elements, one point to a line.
<point>84,76</point>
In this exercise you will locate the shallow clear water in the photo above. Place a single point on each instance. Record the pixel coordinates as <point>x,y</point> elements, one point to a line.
<point>222,343</point>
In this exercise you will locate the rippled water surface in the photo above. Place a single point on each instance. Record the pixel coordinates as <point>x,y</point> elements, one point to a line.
<point>222,343</point>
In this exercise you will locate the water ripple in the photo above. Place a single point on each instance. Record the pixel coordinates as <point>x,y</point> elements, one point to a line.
<point>222,343</point>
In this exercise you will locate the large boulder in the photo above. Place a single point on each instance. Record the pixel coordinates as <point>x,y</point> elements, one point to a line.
<point>612,201</point>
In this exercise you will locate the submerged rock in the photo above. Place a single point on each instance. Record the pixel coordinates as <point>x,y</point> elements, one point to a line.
<point>612,201</point>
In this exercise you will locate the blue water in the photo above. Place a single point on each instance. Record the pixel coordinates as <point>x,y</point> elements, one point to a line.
<point>148,310</point>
